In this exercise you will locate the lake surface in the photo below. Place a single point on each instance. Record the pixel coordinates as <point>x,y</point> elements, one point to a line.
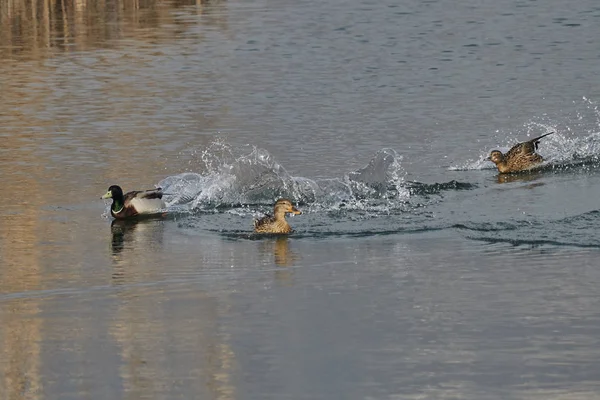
<point>415,270</point>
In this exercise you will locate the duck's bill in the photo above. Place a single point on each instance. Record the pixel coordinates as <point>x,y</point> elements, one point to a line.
<point>295,211</point>
<point>108,195</point>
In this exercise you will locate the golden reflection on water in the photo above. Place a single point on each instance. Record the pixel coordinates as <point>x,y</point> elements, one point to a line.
<point>20,326</point>
<point>35,28</point>
<point>282,255</point>
<point>62,105</point>
<point>41,174</point>
<point>148,335</point>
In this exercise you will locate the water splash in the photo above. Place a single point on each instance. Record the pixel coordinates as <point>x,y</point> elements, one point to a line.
<point>559,151</point>
<point>256,178</point>
<point>562,150</point>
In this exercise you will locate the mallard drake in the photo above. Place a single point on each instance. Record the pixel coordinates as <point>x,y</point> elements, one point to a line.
<point>134,203</point>
<point>520,157</point>
<point>277,222</point>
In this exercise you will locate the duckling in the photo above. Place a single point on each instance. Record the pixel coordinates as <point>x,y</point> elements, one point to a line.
<point>520,157</point>
<point>277,223</point>
<point>134,203</point>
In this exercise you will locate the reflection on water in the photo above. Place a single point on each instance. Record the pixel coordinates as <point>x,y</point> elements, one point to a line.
<point>50,167</point>
<point>172,337</point>
<point>21,337</point>
<point>118,229</point>
<point>148,331</point>
<point>21,261</point>
<point>134,243</point>
<point>36,28</point>
<point>522,177</point>
<point>283,255</point>
<point>278,249</point>
<point>136,234</point>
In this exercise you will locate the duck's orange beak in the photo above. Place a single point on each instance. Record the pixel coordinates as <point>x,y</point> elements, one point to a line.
<point>295,211</point>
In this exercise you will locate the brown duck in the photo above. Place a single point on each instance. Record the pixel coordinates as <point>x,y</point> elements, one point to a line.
<point>520,157</point>
<point>277,223</point>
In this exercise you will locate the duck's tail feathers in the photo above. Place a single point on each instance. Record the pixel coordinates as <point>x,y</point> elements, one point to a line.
<point>539,137</point>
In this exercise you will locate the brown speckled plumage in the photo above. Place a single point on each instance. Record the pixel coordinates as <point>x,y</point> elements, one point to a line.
<point>520,157</point>
<point>277,222</point>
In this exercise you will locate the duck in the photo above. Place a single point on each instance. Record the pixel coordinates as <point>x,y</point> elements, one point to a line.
<point>135,203</point>
<point>277,223</point>
<point>521,157</point>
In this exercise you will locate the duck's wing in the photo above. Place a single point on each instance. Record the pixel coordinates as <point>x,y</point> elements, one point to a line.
<point>143,194</point>
<point>149,194</point>
<point>525,148</point>
<point>263,223</point>
<point>518,150</point>
<point>523,162</point>
<point>145,201</point>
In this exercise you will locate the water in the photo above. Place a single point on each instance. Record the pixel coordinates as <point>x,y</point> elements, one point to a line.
<point>414,272</point>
